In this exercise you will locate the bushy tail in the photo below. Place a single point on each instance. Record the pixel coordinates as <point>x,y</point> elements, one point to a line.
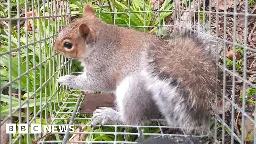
<point>184,25</point>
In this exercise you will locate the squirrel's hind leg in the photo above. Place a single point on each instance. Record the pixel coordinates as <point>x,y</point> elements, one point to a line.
<point>134,105</point>
<point>106,115</point>
<point>134,102</point>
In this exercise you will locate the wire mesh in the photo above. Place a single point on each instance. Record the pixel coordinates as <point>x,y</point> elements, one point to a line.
<point>29,68</point>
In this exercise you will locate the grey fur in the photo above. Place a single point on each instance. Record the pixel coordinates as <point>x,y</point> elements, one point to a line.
<point>151,78</point>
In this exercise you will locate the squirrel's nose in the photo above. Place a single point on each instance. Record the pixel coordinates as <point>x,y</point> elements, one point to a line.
<point>55,47</point>
<point>56,50</point>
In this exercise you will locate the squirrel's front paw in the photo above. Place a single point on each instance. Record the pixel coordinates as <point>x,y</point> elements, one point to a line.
<point>67,80</point>
<point>105,116</point>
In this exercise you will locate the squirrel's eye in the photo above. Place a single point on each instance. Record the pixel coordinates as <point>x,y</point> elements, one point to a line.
<point>68,45</point>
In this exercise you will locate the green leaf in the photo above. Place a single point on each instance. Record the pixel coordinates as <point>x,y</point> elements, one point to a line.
<point>251,91</point>
<point>107,137</point>
<point>25,96</point>
<point>6,98</point>
<point>16,104</point>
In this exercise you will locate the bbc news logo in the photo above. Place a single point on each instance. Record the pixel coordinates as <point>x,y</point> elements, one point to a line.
<point>37,128</point>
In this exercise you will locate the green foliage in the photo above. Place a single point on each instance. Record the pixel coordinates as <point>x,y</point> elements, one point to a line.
<point>31,65</point>
<point>250,96</point>
<point>29,62</point>
<point>128,14</point>
<point>186,3</point>
<point>252,2</point>
<point>238,63</point>
<point>22,64</point>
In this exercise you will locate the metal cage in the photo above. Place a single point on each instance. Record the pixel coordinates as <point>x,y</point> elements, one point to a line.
<point>29,69</point>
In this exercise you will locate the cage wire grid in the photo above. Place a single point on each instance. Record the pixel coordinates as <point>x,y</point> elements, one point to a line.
<point>29,68</point>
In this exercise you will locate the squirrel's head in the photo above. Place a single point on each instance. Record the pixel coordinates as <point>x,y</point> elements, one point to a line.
<point>73,40</point>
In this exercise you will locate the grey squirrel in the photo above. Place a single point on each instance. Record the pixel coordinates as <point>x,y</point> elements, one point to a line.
<point>151,78</point>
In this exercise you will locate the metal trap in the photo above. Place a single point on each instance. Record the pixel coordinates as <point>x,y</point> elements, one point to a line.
<point>32,99</point>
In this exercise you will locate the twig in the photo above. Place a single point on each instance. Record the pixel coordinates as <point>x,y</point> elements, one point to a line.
<point>80,129</point>
<point>252,63</point>
<point>229,33</point>
<point>236,124</point>
<point>252,56</point>
<point>250,72</point>
<point>253,9</point>
<point>47,134</point>
<point>152,30</point>
<point>250,35</point>
<point>4,23</point>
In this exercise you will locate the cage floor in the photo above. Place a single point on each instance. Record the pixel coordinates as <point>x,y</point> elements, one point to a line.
<point>82,131</point>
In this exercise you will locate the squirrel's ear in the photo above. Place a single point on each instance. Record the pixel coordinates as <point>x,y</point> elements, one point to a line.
<point>85,32</point>
<point>88,12</point>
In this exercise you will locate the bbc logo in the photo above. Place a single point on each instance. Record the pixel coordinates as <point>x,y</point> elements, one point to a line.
<point>22,128</point>
<point>37,128</point>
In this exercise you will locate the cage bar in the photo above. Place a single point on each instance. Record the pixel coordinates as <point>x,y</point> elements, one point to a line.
<point>29,68</point>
